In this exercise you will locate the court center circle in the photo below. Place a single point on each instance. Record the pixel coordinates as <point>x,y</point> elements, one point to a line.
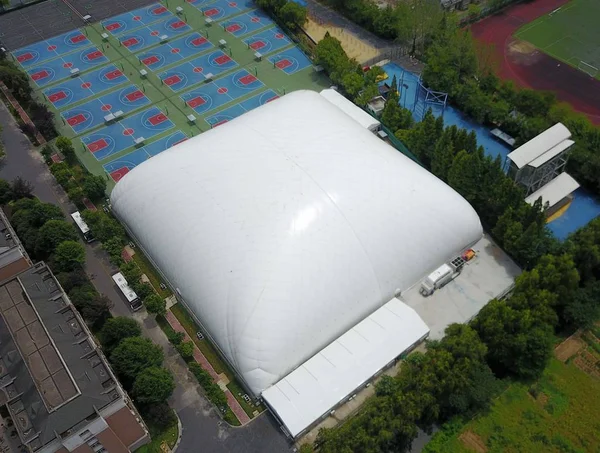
<point>175,50</point>
<point>128,131</point>
<point>279,36</point>
<point>154,33</point>
<point>52,47</point>
<point>198,69</point>
<point>255,19</point>
<point>106,107</point>
<point>67,65</point>
<point>233,4</point>
<point>137,18</point>
<point>222,90</point>
<point>86,85</point>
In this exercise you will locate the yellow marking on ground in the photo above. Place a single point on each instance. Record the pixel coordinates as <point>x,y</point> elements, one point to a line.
<point>559,213</point>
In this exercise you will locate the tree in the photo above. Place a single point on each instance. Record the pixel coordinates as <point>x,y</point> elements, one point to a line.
<point>6,193</point>
<point>134,355</point>
<point>293,15</point>
<point>47,152</point>
<point>21,188</point>
<point>114,248</point>
<point>103,226</point>
<point>117,329</point>
<point>71,280</point>
<point>131,271</point>
<point>94,308</point>
<point>186,349</point>
<point>65,146</point>
<point>584,310</point>
<point>159,415</point>
<point>94,187</point>
<point>443,156</point>
<point>52,233</point>
<point>155,304</point>
<point>69,255</point>
<point>155,385</point>
<point>394,116</point>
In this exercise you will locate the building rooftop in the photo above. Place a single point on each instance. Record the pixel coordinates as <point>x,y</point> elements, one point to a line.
<point>13,258</point>
<point>553,192</point>
<point>490,274</point>
<point>543,147</point>
<point>53,377</point>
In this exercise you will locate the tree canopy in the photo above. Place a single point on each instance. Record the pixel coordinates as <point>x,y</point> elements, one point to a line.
<point>134,355</point>
<point>117,329</point>
<point>69,255</point>
<point>155,385</point>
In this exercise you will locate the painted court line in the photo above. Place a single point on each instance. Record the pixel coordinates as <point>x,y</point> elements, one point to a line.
<point>175,51</point>
<point>122,134</point>
<point>150,34</point>
<point>194,71</point>
<point>92,113</point>
<point>134,19</point>
<point>85,86</point>
<point>221,9</point>
<point>60,68</point>
<point>268,41</point>
<point>221,91</point>
<point>123,165</point>
<point>247,23</point>
<point>240,108</point>
<point>51,48</point>
<point>290,61</point>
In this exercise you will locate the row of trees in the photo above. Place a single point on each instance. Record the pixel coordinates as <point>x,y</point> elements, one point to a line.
<point>291,14</point>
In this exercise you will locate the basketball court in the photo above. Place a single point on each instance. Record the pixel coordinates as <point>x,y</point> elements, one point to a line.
<point>290,61</point>
<point>221,91</point>
<point>85,86</point>
<point>60,68</point>
<point>247,23</point>
<point>194,71</point>
<point>268,41</point>
<point>225,8</point>
<point>240,108</point>
<point>121,135</point>
<point>92,113</point>
<point>178,50</point>
<point>135,19</point>
<point>51,48</point>
<point>121,166</point>
<point>152,34</point>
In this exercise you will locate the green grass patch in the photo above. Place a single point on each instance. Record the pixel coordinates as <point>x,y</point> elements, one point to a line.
<point>237,392</point>
<point>558,414</point>
<point>168,435</point>
<point>152,274</point>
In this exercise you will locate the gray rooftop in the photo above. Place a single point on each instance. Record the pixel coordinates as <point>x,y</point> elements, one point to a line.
<point>52,375</point>
<point>490,274</point>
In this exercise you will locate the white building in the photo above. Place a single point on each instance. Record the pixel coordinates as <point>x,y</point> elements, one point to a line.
<point>289,232</point>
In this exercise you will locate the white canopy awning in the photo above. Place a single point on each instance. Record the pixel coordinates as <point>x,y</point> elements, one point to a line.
<point>557,189</point>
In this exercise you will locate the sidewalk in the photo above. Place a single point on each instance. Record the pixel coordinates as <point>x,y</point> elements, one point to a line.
<point>205,364</point>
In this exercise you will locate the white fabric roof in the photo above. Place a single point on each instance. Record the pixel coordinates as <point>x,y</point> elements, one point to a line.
<point>351,109</point>
<point>551,153</point>
<point>287,226</point>
<point>540,145</point>
<point>555,190</point>
<point>340,368</point>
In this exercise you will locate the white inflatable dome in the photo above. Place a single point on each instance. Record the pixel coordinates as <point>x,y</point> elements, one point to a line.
<point>287,226</point>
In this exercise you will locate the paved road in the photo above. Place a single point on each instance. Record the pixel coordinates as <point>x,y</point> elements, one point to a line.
<point>203,429</point>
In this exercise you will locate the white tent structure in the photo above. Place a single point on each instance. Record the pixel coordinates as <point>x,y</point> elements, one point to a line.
<point>282,231</point>
<point>352,110</point>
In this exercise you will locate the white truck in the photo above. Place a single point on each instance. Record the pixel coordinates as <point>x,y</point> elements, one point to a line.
<point>436,279</point>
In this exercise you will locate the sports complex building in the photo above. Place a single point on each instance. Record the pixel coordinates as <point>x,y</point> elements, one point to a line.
<point>299,240</point>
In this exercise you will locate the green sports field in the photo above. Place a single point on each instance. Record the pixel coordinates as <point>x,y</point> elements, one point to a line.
<point>570,34</point>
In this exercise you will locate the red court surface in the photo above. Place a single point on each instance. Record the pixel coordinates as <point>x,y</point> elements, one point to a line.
<point>532,68</point>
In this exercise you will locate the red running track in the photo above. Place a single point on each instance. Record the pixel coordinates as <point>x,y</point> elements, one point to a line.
<point>533,68</point>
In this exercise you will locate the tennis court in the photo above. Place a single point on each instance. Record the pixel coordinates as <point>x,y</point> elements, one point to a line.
<point>221,91</point>
<point>51,48</point>
<point>242,107</point>
<point>194,71</point>
<point>570,33</point>
<point>123,165</point>
<point>135,19</point>
<point>150,35</point>
<point>175,51</point>
<point>225,8</point>
<point>247,23</point>
<point>86,85</point>
<point>268,41</point>
<point>92,113</point>
<point>60,68</point>
<point>122,134</point>
<point>290,61</point>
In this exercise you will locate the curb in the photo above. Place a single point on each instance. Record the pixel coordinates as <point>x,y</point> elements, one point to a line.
<point>180,428</point>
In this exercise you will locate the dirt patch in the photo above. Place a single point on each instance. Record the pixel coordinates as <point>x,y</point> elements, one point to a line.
<point>473,442</point>
<point>542,398</point>
<point>521,47</point>
<point>568,348</point>
<point>588,363</point>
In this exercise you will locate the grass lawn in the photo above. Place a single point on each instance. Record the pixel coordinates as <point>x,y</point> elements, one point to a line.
<point>558,414</point>
<point>168,435</point>
<point>154,277</point>
<point>570,34</point>
<point>213,357</point>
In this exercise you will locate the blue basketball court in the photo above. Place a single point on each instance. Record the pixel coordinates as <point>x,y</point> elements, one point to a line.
<point>84,86</point>
<point>290,61</point>
<point>194,71</point>
<point>121,135</point>
<point>175,51</point>
<point>199,2</point>
<point>92,113</point>
<point>123,165</point>
<point>150,34</point>
<point>245,106</point>
<point>268,41</point>
<point>221,91</point>
<point>60,68</point>
<point>51,48</point>
<point>225,8</point>
<point>247,23</point>
<point>135,19</point>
